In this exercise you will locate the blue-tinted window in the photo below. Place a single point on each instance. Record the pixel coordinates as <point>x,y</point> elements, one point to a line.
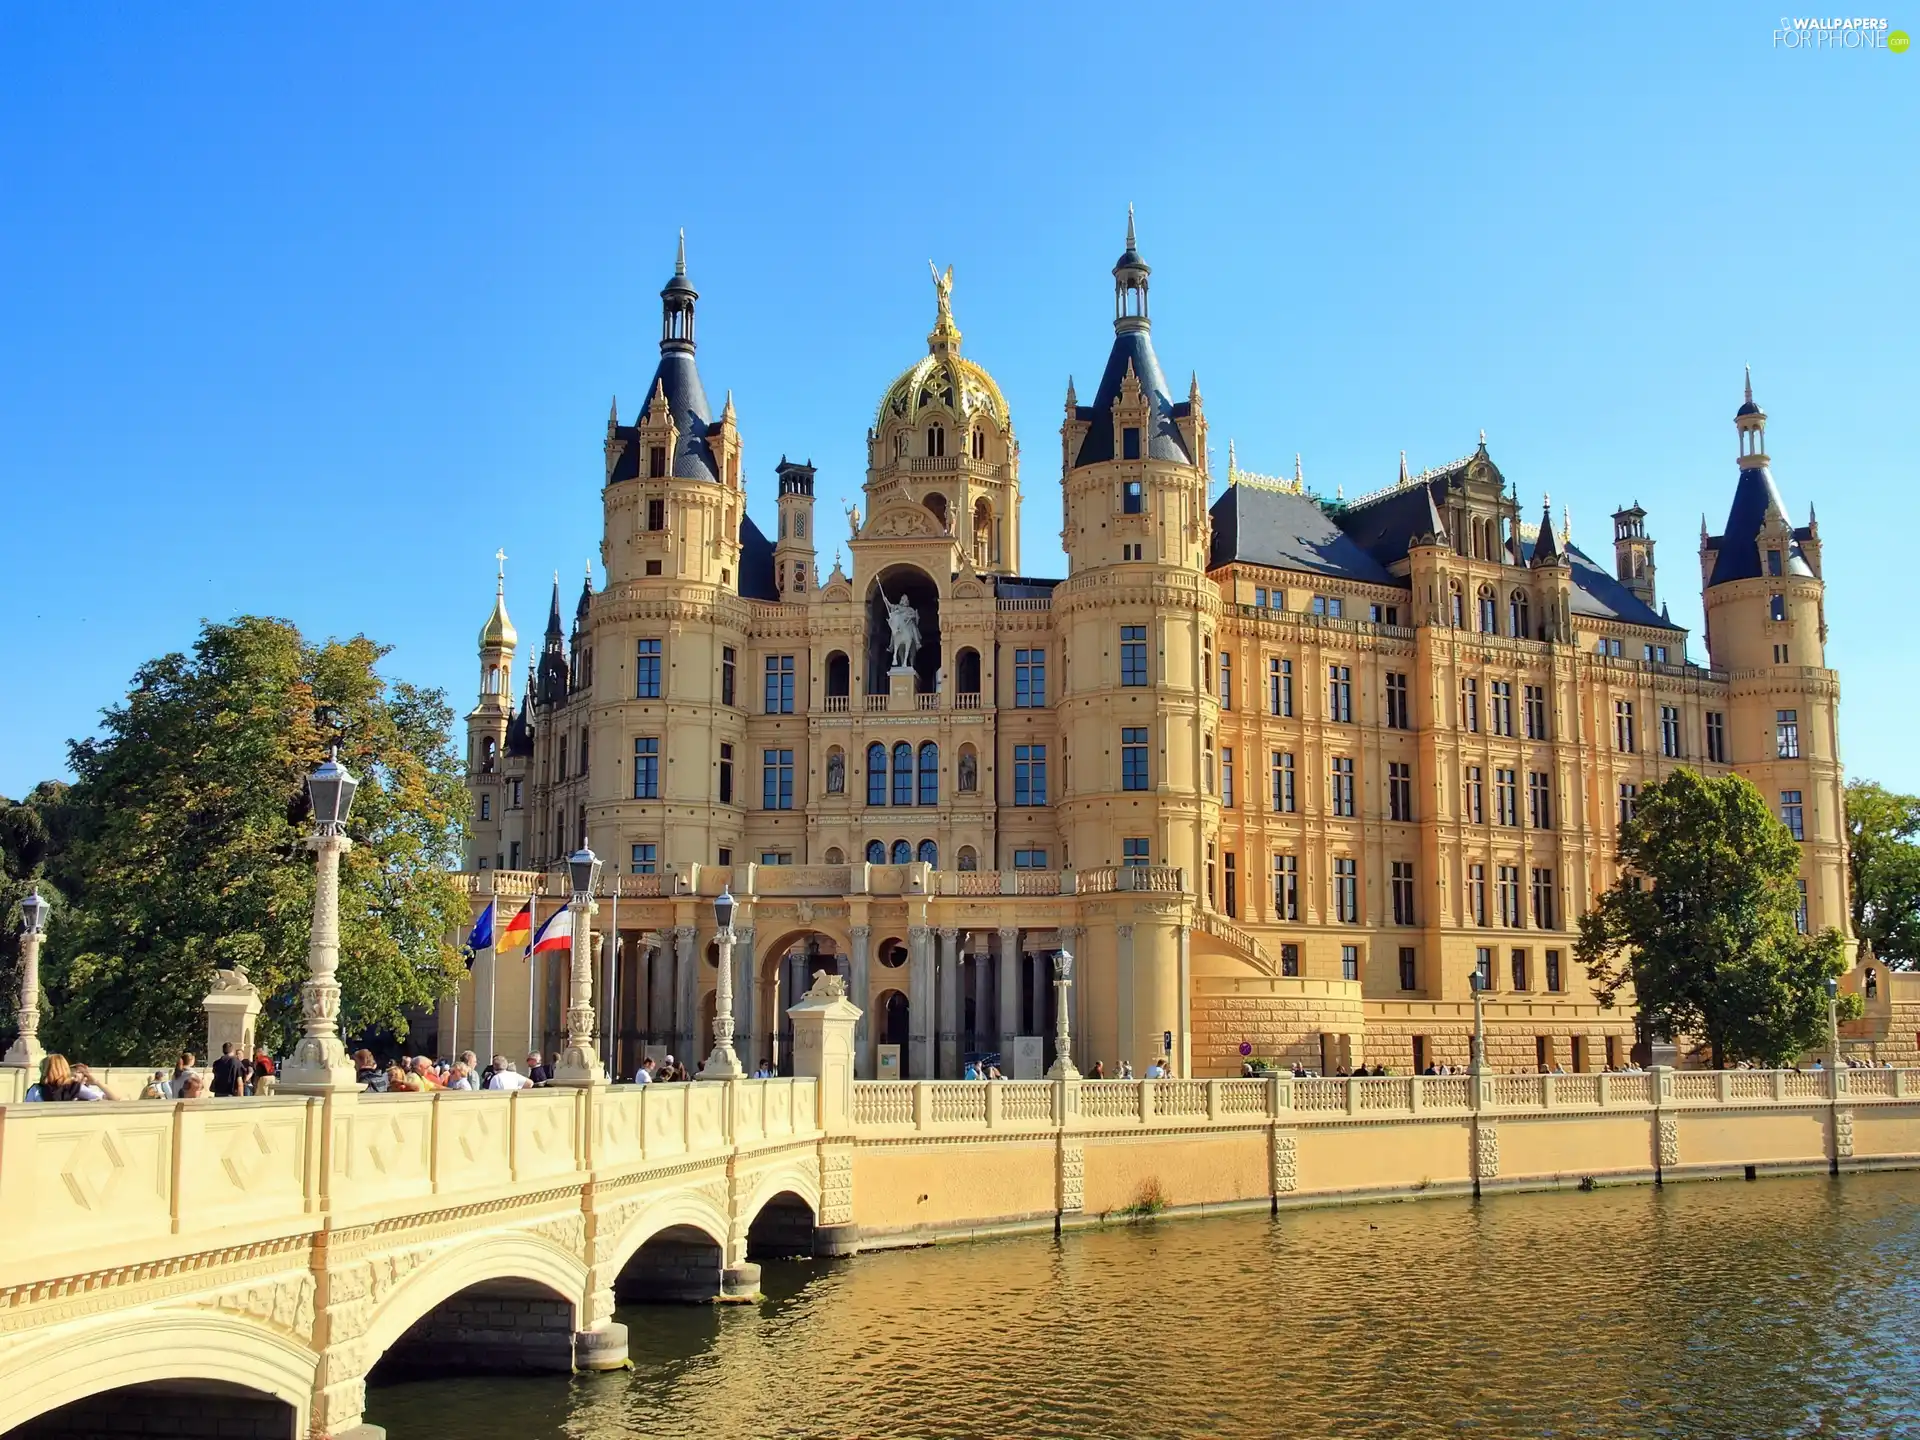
<point>1133,757</point>
<point>903,774</point>
<point>1133,654</point>
<point>929,774</point>
<point>648,670</point>
<point>646,768</point>
<point>776,771</point>
<point>1029,774</point>
<point>876,774</point>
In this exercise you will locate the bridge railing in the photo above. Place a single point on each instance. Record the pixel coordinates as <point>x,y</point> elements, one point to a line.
<point>937,1106</point>
<point>173,1177</point>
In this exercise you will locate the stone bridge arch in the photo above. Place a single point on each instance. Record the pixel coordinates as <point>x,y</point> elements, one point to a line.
<point>146,1349</point>
<point>519,1257</point>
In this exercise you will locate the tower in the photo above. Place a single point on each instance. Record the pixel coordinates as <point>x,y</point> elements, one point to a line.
<point>1140,708</point>
<point>1633,552</point>
<point>487,726</point>
<point>1765,604</point>
<point>793,562</point>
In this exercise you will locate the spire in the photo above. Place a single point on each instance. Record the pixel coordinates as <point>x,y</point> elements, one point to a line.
<point>1546,548</point>
<point>1436,527</point>
<point>554,632</point>
<point>1566,526</point>
<point>1130,274</point>
<point>613,415</point>
<point>727,411</point>
<point>1233,461</point>
<point>676,305</point>
<point>498,633</point>
<point>1403,467</point>
<point>1749,384</point>
<point>1299,478</point>
<point>1073,400</point>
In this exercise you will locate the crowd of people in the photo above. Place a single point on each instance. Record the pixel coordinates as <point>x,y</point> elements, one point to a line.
<point>230,1075</point>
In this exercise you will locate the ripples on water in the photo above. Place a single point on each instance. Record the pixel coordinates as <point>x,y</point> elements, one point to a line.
<point>1782,1307</point>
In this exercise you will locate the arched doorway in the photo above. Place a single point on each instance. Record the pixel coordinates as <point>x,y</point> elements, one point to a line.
<point>912,584</point>
<point>785,973</point>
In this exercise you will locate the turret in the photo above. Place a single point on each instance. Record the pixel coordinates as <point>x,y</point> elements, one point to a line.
<point>1551,579</point>
<point>793,562</point>
<point>582,641</point>
<point>488,724</point>
<point>1633,552</point>
<point>555,679</point>
<point>1765,606</point>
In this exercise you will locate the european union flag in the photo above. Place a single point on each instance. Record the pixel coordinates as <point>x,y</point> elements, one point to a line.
<point>482,936</point>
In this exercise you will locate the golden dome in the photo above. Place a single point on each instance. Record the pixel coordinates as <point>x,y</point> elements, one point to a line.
<point>498,632</point>
<point>944,378</point>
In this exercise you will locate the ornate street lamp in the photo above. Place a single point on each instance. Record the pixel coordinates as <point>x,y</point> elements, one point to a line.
<point>25,1050</point>
<point>1063,1066</point>
<point>580,1061</point>
<point>1479,983</point>
<point>723,1064</point>
<point>1833,1029</point>
<point>320,1062</point>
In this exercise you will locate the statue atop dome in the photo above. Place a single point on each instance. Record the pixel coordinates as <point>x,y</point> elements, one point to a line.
<point>945,332</point>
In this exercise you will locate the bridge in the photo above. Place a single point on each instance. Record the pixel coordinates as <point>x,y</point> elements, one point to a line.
<point>242,1267</point>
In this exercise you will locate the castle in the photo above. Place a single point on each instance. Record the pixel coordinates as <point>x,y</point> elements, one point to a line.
<point>1282,772</point>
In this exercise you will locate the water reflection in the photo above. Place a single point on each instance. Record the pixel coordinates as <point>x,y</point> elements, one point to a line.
<point>1779,1307</point>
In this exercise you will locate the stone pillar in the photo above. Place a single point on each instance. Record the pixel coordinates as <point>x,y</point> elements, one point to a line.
<point>745,1001</point>
<point>686,993</point>
<point>1156,1001</point>
<point>922,1004</point>
<point>1183,1032</point>
<point>857,987</point>
<point>580,1059</point>
<point>1007,994</point>
<point>657,968</point>
<point>824,1022</point>
<point>1124,1006</point>
<point>949,1028</point>
<point>232,1007</point>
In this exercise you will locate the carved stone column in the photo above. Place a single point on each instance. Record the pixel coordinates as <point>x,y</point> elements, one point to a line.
<point>320,1063</point>
<point>921,1007</point>
<point>686,991</point>
<point>745,1002</point>
<point>949,1027</point>
<point>857,987</point>
<point>1008,994</point>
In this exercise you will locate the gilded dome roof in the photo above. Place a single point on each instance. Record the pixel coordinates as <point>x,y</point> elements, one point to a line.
<point>949,380</point>
<point>499,631</point>
<point>943,377</point>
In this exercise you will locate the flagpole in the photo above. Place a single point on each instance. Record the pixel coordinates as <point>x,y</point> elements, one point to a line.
<point>493,971</point>
<point>533,927</point>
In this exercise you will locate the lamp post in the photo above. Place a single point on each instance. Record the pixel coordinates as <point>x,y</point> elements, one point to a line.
<point>1479,982</point>
<point>1833,1027</point>
<point>320,1062</point>
<point>723,1064</point>
<point>580,1061</point>
<point>25,1051</point>
<point>1063,1066</point>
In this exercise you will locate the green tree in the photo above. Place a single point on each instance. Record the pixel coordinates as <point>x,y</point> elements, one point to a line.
<point>1883,858</point>
<point>188,823</point>
<point>1701,930</point>
<point>33,835</point>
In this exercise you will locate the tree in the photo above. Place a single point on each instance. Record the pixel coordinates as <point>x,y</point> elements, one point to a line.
<point>1883,860</point>
<point>33,835</point>
<point>189,817</point>
<point>1702,928</point>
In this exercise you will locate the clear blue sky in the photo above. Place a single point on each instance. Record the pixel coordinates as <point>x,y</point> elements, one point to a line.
<point>306,310</point>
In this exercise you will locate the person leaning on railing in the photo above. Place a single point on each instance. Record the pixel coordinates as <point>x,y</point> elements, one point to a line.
<point>61,1081</point>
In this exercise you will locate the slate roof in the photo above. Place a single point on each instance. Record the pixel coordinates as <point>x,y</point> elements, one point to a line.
<point>1739,543</point>
<point>757,581</point>
<point>1164,441</point>
<point>1258,526</point>
<point>1290,532</point>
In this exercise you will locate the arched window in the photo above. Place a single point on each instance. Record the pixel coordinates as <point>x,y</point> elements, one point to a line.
<point>876,853</point>
<point>487,755</point>
<point>834,856</point>
<point>583,752</point>
<point>936,504</point>
<point>839,674</point>
<point>966,672</point>
<point>928,854</point>
<point>979,443</point>
<point>1457,607</point>
<point>1519,622</point>
<point>903,774</point>
<point>1207,751</point>
<point>581,833</point>
<point>493,680</point>
<point>1489,612</point>
<point>876,775</point>
<point>929,774</point>
<point>902,853</point>
<point>936,441</point>
<point>968,859</point>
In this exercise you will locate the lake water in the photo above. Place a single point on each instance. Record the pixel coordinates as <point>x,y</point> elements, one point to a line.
<point>1778,1307</point>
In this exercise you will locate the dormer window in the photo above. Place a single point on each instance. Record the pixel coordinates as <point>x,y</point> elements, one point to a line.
<point>657,461</point>
<point>1773,562</point>
<point>1133,497</point>
<point>936,442</point>
<point>1130,443</point>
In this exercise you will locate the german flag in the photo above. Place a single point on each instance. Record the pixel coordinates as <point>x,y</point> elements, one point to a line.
<point>519,928</point>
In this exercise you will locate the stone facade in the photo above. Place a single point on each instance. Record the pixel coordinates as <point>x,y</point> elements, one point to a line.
<point>1353,748</point>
